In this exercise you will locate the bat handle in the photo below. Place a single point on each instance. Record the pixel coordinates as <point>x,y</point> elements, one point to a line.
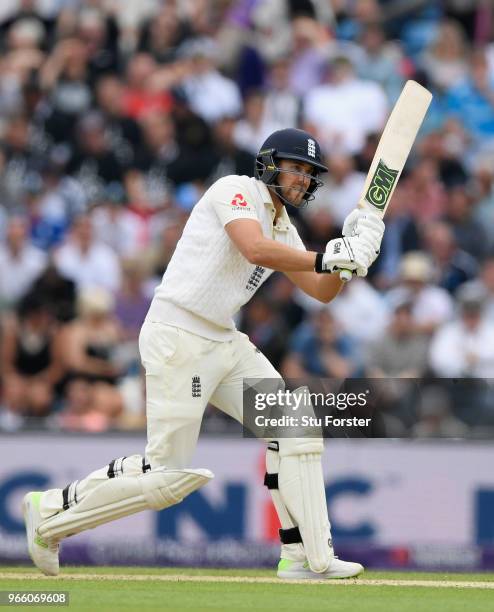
<point>346,275</point>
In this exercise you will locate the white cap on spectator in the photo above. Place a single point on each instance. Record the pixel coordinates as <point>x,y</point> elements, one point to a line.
<point>416,266</point>
<point>95,301</point>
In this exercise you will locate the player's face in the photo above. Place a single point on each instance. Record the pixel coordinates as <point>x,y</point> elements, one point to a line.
<point>294,180</point>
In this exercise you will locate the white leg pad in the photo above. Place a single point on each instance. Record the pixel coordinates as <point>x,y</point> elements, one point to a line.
<point>301,494</point>
<point>301,487</point>
<point>123,496</point>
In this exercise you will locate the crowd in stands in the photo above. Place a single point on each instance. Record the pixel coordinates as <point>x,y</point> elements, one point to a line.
<point>116,116</point>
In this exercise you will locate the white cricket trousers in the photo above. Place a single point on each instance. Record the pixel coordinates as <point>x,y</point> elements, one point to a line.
<point>184,372</point>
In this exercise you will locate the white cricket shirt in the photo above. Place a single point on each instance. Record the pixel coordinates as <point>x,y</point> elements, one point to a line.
<point>208,279</point>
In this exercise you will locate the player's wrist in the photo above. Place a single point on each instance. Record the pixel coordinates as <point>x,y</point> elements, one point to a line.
<point>318,263</point>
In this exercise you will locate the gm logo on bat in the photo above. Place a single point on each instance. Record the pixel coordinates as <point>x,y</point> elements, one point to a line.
<point>381,185</point>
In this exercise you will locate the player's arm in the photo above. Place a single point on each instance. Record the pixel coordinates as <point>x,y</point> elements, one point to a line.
<point>298,265</point>
<point>247,236</point>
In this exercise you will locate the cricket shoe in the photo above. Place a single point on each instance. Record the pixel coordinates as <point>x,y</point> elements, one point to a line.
<point>43,553</point>
<point>300,570</point>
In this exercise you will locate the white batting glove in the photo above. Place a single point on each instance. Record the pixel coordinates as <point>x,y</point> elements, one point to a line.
<point>361,222</point>
<point>345,254</point>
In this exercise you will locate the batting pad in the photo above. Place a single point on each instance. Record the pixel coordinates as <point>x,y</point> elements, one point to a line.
<point>123,496</point>
<point>301,487</point>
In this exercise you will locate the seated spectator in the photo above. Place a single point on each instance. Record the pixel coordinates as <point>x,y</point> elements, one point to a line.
<point>56,292</point>
<point>361,312</point>
<point>465,346</point>
<point>131,300</point>
<point>401,351</point>
<point>486,281</point>
<point>114,224</point>
<point>254,127</point>
<point>281,104</point>
<point>435,418</point>
<point>341,189</point>
<point>161,35</point>
<point>469,233</point>
<point>85,260</point>
<point>265,328</point>
<point>319,348</point>
<point>141,96</point>
<point>208,93</point>
<point>452,266</point>
<point>401,236</point>
<point>382,61</point>
<point>31,358</point>
<point>445,59</point>
<point>91,394</point>
<point>470,102</point>
<point>430,305</point>
<point>123,132</point>
<point>424,191</point>
<point>65,78</point>
<point>20,262</point>
<point>94,164</point>
<point>225,156</point>
<point>343,112</point>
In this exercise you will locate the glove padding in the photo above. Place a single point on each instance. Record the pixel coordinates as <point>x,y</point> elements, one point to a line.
<point>352,254</point>
<point>365,223</point>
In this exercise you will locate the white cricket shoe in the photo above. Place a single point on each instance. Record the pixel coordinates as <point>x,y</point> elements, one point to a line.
<point>44,554</point>
<point>300,570</point>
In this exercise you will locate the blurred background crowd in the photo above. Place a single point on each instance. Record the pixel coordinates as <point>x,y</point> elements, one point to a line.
<point>116,116</point>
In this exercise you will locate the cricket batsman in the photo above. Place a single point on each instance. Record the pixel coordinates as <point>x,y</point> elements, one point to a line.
<point>236,236</point>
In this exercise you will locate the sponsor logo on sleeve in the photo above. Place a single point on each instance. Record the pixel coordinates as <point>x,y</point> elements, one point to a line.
<point>238,200</point>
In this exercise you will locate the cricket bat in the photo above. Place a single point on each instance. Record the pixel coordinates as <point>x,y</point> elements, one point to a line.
<point>392,151</point>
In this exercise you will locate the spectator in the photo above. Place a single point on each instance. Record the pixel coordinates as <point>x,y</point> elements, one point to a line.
<point>401,351</point>
<point>342,113</point>
<point>485,282</point>
<point>114,224</point>
<point>445,60</point>
<point>319,348</point>
<point>341,189</point>
<point>226,157</point>
<point>253,129</point>
<point>281,104</point>
<point>430,305</point>
<point>471,102</point>
<point>65,78</point>
<point>123,132</point>
<point>94,164</point>
<point>161,36</point>
<point>56,292</point>
<point>31,359</point>
<point>141,95</point>
<point>452,265</point>
<point>262,323</point>
<point>382,61</point>
<point>131,301</point>
<point>85,260</point>
<point>361,312</point>
<point>20,263</point>
<point>208,93</point>
<point>435,418</point>
<point>92,398</point>
<point>469,233</point>
<point>465,346</point>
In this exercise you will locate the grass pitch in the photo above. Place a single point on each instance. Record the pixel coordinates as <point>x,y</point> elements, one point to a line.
<point>123,588</point>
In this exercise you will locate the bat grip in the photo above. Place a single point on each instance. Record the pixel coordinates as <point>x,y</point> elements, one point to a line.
<point>346,275</point>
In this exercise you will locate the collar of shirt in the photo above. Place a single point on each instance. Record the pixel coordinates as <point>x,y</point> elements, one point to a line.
<point>283,222</point>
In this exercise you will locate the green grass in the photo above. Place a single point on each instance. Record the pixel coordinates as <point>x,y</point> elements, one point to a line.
<point>128,594</point>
